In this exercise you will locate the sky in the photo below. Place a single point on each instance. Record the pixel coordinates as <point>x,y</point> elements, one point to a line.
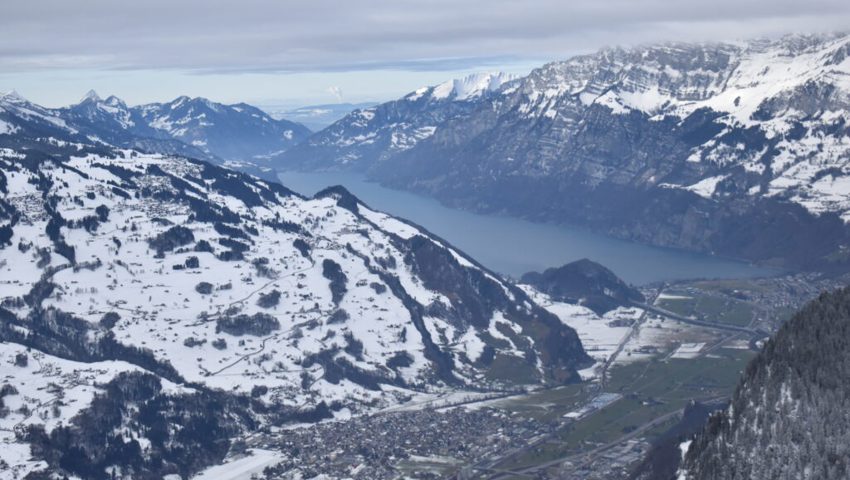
<point>293,53</point>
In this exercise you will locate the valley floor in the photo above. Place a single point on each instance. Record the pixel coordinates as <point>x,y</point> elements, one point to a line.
<point>649,366</point>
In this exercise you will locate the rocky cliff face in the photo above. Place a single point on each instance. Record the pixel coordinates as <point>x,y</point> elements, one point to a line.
<point>712,147</point>
<point>788,416</point>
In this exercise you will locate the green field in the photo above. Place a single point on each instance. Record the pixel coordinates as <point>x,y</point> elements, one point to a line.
<point>711,308</point>
<point>677,378</point>
<point>728,285</point>
<point>655,388</point>
<point>547,405</point>
<point>650,390</point>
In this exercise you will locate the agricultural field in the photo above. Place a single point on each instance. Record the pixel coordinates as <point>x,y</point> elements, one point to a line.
<point>709,307</point>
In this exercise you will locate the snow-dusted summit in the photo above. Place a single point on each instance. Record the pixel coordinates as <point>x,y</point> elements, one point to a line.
<point>467,88</point>
<point>369,136</point>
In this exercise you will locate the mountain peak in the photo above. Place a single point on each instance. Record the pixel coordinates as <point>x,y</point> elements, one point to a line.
<point>12,95</point>
<point>471,86</point>
<point>90,95</point>
<point>466,88</point>
<point>179,101</point>
<point>114,101</point>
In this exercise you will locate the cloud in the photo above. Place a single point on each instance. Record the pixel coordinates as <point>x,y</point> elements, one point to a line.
<point>336,92</point>
<point>216,36</point>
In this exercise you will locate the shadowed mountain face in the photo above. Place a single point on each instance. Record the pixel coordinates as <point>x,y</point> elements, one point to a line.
<point>738,150</point>
<point>788,417</point>
<point>584,282</point>
<point>238,132</point>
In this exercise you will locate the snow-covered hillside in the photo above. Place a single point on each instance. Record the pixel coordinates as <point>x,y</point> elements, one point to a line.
<point>231,132</point>
<point>151,280</point>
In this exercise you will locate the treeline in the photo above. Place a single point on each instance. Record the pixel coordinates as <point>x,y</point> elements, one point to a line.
<point>790,416</point>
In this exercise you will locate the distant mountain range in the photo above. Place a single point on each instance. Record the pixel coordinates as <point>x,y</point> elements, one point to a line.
<point>315,117</point>
<point>194,127</point>
<point>369,136</point>
<point>741,149</point>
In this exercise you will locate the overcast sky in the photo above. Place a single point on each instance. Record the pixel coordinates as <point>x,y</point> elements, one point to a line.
<point>317,51</point>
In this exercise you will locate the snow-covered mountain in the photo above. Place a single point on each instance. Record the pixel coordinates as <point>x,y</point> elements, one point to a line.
<point>470,87</point>
<point>237,132</point>
<point>142,291</point>
<point>193,127</point>
<point>371,135</point>
<point>723,148</point>
<point>110,120</point>
<point>23,119</point>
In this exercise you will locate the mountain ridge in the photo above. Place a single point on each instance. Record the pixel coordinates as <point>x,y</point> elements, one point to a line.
<point>193,127</point>
<point>678,145</point>
<point>377,133</point>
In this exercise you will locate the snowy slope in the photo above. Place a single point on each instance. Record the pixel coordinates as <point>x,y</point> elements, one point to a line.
<point>151,287</point>
<point>165,281</point>
<point>46,391</point>
<point>788,98</point>
<point>16,113</point>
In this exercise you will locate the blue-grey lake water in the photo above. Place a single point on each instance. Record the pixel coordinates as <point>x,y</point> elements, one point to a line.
<point>513,246</point>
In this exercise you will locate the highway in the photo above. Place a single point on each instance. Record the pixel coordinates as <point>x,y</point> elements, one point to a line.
<point>693,321</point>
<point>487,468</point>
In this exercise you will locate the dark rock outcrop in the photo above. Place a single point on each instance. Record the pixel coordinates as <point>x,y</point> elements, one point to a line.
<point>587,283</point>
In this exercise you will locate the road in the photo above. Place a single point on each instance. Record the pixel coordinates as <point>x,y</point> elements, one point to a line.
<point>603,376</point>
<point>488,465</point>
<point>693,321</point>
<point>579,460</point>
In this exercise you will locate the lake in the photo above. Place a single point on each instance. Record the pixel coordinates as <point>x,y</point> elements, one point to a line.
<point>513,246</point>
